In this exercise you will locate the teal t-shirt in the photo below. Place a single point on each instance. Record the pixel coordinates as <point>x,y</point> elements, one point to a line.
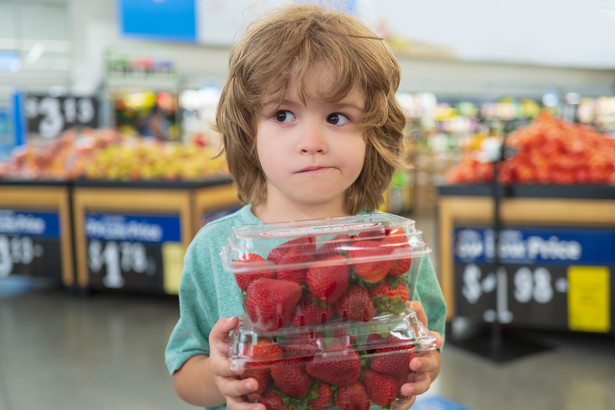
<point>207,292</point>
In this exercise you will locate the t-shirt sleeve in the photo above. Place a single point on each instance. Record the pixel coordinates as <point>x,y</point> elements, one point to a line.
<point>429,293</point>
<point>190,335</point>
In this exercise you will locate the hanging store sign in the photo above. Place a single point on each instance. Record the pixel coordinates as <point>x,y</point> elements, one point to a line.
<point>47,116</point>
<point>550,277</point>
<point>135,252</point>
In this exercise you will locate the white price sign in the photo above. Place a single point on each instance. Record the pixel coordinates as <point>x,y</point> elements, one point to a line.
<point>48,116</point>
<point>17,250</point>
<point>117,259</point>
<point>501,295</point>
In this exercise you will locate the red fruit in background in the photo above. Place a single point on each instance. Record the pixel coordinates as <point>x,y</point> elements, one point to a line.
<point>323,399</point>
<point>398,240</point>
<point>353,397</point>
<point>329,282</point>
<point>272,400</point>
<point>357,304</point>
<point>375,269</point>
<point>291,378</point>
<point>390,297</point>
<point>339,365</point>
<point>304,245</point>
<point>270,303</point>
<point>392,355</point>
<point>381,389</point>
<point>310,311</point>
<point>262,269</point>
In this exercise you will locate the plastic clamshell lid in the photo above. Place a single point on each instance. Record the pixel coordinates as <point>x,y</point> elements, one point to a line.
<point>354,235</point>
<point>368,338</point>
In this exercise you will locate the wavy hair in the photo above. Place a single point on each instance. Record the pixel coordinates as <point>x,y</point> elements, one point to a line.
<point>289,42</point>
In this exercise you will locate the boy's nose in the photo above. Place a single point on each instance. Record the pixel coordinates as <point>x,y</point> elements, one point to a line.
<point>312,139</point>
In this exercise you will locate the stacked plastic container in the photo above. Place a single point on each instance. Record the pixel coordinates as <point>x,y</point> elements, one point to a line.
<point>326,321</point>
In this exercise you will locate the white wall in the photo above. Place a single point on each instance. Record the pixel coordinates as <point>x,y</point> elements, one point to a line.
<point>93,28</point>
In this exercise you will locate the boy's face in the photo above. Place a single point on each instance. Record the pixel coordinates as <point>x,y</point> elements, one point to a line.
<point>311,153</point>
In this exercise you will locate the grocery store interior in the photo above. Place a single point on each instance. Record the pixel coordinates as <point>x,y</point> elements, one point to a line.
<point>109,167</point>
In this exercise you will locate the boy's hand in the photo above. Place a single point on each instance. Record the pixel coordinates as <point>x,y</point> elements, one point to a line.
<point>228,382</point>
<point>425,367</point>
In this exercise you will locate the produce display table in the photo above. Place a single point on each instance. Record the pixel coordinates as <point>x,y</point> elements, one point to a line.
<point>36,230</point>
<point>133,236</point>
<point>104,234</point>
<point>556,255</point>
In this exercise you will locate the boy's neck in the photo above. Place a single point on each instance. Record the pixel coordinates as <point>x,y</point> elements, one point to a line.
<point>272,214</point>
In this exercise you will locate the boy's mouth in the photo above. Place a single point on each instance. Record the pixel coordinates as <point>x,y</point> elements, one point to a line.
<point>312,169</point>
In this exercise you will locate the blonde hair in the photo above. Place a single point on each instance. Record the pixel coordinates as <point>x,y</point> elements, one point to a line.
<point>287,43</point>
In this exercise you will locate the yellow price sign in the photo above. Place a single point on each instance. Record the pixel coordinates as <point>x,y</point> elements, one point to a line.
<point>589,296</point>
<point>172,264</point>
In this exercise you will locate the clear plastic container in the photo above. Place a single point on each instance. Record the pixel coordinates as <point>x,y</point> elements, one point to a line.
<point>309,272</point>
<point>333,365</point>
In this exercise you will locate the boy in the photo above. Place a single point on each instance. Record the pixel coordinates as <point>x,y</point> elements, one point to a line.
<point>311,129</point>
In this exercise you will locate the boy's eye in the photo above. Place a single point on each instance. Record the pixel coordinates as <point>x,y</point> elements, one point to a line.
<point>284,116</point>
<point>337,119</point>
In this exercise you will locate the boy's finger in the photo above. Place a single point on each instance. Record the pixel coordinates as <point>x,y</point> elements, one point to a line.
<point>420,312</point>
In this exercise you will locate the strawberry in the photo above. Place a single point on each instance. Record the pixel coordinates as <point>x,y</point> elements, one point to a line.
<point>262,269</point>
<point>304,344</point>
<point>272,400</point>
<point>389,297</point>
<point>353,397</point>
<point>291,378</point>
<point>381,389</point>
<point>270,303</point>
<point>304,245</point>
<point>310,311</point>
<point>374,269</point>
<point>392,356</point>
<point>397,237</point>
<point>339,364</point>
<point>286,270</point>
<point>329,282</point>
<point>356,304</point>
<point>334,246</point>
<point>261,355</point>
<point>324,397</point>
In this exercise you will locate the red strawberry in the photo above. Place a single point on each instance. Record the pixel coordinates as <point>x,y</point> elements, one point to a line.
<point>399,239</point>
<point>389,297</point>
<point>262,376</point>
<point>302,345</point>
<point>339,365</point>
<point>272,401</point>
<point>353,397</point>
<point>310,311</point>
<point>270,303</point>
<point>329,282</point>
<point>291,378</point>
<point>381,389</point>
<point>324,397</point>
<point>392,356</point>
<point>305,245</point>
<point>292,265</point>
<point>261,355</point>
<point>334,246</point>
<point>262,269</point>
<point>375,268</point>
<point>374,233</point>
<point>357,304</point>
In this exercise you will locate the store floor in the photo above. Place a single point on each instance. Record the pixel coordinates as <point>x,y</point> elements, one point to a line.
<point>61,351</point>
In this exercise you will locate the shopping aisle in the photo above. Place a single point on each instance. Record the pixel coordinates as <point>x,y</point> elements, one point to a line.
<point>60,351</point>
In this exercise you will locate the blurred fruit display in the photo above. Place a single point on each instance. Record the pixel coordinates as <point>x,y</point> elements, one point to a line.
<point>550,150</point>
<point>104,154</point>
